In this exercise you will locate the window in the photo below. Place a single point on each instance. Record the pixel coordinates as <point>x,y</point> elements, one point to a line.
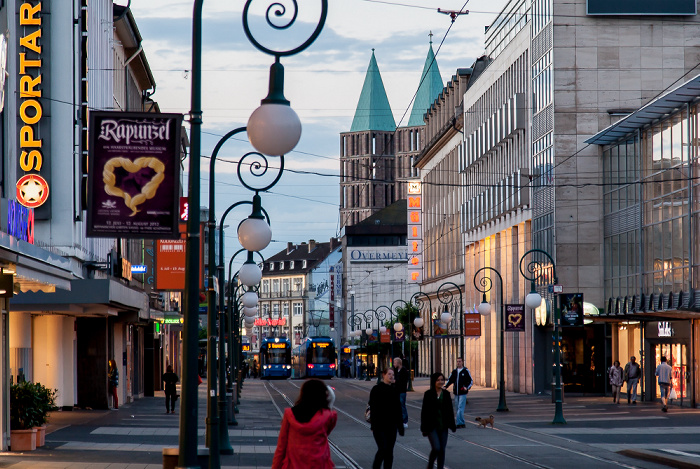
<point>285,310</point>
<point>291,264</point>
<point>266,286</point>
<point>276,285</point>
<point>285,286</point>
<point>282,265</point>
<point>297,309</point>
<point>276,310</point>
<point>266,310</point>
<point>298,282</point>
<point>303,264</point>
<point>272,266</point>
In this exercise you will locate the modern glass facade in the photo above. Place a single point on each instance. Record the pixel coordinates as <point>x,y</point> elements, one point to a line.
<point>651,195</point>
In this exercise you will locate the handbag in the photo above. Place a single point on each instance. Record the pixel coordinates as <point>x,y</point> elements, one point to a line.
<point>368,416</point>
<point>673,394</point>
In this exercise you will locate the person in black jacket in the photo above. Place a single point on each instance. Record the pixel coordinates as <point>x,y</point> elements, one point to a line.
<point>436,417</point>
<point>462,380</point>
<point>385,409</point>
<point>170,379</point>
<point>401,375</point>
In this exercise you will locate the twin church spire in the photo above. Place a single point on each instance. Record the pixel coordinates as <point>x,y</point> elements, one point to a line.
<point>373,110</point>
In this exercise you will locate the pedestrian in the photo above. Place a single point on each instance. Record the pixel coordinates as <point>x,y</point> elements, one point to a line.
<point>170,378</point>
<point>113,380</point>
<point>363,369</point>
<point>385,408</point>
<point>436,417</point>
<point>401,376</point>
<point>255,368</point>
<point>371,369</point>
<point>462,380</point>
<point>615,375</point>
<point>632,374</point>
<point>663,372</point>
<point>303,437</point>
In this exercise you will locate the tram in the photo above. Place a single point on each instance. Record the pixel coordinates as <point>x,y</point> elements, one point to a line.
<point>315,358</point>
<point>275,358</point>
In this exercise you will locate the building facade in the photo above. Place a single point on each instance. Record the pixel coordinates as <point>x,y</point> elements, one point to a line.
<point>651,247</point>
<point>77,303</point>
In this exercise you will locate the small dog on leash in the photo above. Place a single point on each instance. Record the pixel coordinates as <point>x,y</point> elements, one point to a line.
<point>486,421</point>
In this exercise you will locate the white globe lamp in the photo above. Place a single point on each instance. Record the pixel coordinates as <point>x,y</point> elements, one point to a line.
<point>398,327</point>
<point>250,299</point>
<point>418,322</point>
<point>250,312</point>
<point>368,331</point>
<point>274,128</point>
<point>249,322</point>
<point>533,299</point>
<point>382,329</point>
<point>446,317</point>
<point>250,274</point>
<point>484,308</point>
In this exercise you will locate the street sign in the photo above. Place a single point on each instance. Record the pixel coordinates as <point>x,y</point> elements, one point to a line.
<point>558,288</point>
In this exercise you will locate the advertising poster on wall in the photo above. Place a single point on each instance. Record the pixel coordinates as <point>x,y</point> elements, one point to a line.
<point>571,309</point>
<point>133,178</point>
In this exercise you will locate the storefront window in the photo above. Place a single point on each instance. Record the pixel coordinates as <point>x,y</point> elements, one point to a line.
<point>676,357</point>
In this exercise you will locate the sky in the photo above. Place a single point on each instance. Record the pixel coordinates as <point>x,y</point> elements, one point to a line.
<point>323,84</point>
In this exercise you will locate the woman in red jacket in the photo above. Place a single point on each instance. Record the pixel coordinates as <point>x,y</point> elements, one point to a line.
<point>303,438</point>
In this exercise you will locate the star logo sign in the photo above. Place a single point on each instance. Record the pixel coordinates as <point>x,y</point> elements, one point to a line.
<point>32,190</point>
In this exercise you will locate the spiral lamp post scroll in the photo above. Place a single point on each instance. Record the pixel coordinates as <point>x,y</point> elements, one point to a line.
<point>445,295</point>
<point>484,286</point>
<point>535,270</point>
<point>274,129</point>
<point>368,317</point>
<point>393,307</point>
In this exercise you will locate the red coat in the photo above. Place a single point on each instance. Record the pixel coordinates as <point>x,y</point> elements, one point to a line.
<point>304,445</point>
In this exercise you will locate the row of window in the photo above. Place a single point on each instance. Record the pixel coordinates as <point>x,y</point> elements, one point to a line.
<point>282,285</point>
<point>297,309</point>
<point>280,265</point>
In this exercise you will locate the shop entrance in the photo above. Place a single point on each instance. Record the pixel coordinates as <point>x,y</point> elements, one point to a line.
<point>677,357</point>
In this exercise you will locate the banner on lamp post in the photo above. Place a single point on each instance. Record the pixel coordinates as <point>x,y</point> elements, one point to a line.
<point>472,324</point>
<point>571,309</point>
<point>515,318</point>
<point>417,332</point>
<point>385,337</point>
<point>133,177</point>
<point>399,336</point>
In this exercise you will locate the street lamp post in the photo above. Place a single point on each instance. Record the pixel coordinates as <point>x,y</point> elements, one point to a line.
<point>369,317</point>
<point>406,306</point>
<point>418,299</point>
<point>445,295</point>
<point>380,316</point>
<point>484,286</point>
<point>274,129</point>
<point>533,300</point>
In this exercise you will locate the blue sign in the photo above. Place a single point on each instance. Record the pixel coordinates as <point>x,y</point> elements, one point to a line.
<point>139,269</point>
<point>20,221</point>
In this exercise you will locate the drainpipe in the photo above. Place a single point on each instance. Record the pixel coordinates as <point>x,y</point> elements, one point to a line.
<point>126,75</point>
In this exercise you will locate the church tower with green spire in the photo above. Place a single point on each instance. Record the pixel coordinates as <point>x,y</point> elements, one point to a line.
<point>367,153</point>
<point>376,157</point>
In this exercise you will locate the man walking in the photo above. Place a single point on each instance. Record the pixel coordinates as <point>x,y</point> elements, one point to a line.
<point>462,380</point>
<point>632,374</point>
<point>663,371</point>
<point>401,376</point>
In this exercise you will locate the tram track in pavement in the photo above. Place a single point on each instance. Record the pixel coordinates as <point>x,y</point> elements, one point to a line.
<point>595,459</point>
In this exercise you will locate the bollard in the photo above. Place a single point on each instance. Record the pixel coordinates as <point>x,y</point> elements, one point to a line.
<point>170,456</point>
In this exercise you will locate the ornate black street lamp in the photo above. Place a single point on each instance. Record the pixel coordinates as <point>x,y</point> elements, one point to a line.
<point>484,286</point>
<point>445,295</point>
<point>419,299</point>
<point>535,269</point>
<point>274,129</point>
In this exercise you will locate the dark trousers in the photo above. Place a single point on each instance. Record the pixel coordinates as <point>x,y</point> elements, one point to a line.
<point>385,439</point>
<point>115,397</point>
<point>170,398</point>
<point>438,444</point>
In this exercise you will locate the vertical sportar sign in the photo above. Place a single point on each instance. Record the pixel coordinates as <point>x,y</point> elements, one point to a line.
<point>415,232</point>
<point>33,166</point>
